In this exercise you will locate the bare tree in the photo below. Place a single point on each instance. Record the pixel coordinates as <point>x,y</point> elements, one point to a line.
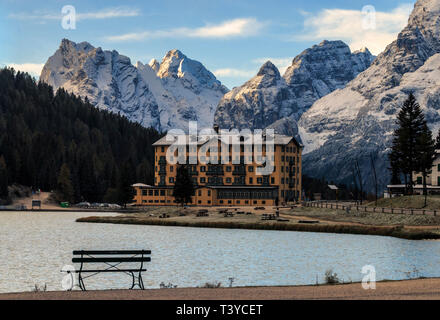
<point>359,178</point>
<point>373,167</point>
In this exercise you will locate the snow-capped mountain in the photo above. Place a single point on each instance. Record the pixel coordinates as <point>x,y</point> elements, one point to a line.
<point>268,97</point>
<point>352,123</point>
<point>106,78</point>
<point>164,96</point>
<point>184,90</point>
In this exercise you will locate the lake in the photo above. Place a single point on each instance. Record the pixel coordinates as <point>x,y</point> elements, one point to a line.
<point>34,247</point>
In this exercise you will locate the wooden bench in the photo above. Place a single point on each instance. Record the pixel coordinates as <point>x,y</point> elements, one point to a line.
<point>266,216</point>
<point>111,260</point>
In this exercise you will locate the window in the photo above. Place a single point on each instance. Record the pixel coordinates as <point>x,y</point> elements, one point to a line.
<point>228,169</point>
<point>282,158</point>
<point>200,193</point>
<point>228,180</point>
<point>171,180</point>
<point>251,169</point>
<point>438,167</point>
<point>282,180</point>
<point>438,181</point>
<point>150,192</point>
<point>162,193</point>
<point>162,149</point>
<point>251,180</point>
<point>419,180</point>
<point>156,192</point>
<point>272,180</point>
<point>144,192</point>
<point>209,193</point>
<point>259,180</point>
<point>202,169</point>
<point>202,180</point>
<point>171,169</point>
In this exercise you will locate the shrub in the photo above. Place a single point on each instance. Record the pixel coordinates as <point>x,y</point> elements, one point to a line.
<point>331,277</point>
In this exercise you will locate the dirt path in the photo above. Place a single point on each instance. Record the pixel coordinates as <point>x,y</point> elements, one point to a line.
<point>393,290</point>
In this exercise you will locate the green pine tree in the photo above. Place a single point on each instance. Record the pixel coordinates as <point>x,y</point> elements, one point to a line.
<point>426,155</point>
<point>183,187</point>
<point>65,188</point>
<point>404,157</point>
<point>125,190</point>
<point>3,181</point>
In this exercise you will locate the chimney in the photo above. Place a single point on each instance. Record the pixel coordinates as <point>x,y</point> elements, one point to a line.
<point>216,128</point>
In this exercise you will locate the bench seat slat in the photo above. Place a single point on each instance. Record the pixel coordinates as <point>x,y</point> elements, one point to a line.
<point>110,252</point>
<point>112,270</point>
<point>110,259</point>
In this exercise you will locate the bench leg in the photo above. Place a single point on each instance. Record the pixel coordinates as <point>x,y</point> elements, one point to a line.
<point>81,282</point>
<point>140,282</point>
<point>133,283</point>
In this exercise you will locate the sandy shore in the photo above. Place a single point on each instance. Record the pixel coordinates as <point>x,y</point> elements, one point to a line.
<point>421,289</point>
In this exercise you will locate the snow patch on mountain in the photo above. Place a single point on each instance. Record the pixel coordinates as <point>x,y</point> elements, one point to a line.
<point>164,96</point>
<point>268,97</point>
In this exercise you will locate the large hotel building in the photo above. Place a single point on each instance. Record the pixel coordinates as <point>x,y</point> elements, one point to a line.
<point>236,183</point>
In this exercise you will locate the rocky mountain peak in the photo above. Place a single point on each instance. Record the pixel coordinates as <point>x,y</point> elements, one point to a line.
<point>169,67</point>
<point>349,124</point>
<point>269,69</point>
<point>268,98</point>
<point>154,64</point>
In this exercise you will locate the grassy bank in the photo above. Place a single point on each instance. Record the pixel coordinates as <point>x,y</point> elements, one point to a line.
<point>256,224</point>
<point>409,202</point>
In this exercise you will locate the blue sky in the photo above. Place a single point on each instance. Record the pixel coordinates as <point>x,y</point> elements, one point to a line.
<point>232,38</point>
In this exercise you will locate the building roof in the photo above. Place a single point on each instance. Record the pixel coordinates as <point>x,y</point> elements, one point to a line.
<point>170,139</point>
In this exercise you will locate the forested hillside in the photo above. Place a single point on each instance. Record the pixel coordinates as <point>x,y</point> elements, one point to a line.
<point>42,131</point>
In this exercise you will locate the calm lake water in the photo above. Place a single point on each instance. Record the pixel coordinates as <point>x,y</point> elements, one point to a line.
<point>35,246</point>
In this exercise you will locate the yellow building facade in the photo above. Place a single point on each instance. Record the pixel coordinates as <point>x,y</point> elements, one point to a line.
<point>233,182</point>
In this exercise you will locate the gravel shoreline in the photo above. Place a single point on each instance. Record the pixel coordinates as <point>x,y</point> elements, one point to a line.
<point>420,289</point>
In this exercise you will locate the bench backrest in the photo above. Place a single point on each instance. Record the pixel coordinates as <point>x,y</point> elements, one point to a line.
<point>111,256</point>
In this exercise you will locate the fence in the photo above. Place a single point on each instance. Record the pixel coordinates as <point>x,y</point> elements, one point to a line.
<point>355,206</point>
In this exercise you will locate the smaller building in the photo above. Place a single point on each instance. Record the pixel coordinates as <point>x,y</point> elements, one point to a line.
<point>432,181</point>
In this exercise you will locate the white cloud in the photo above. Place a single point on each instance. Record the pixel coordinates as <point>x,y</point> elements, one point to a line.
<point>281,63</point>
<point>234,73</point>
<point>31,68</point>
<point>232,28</point>
<point>347,25</point>
<point>106,13</point>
